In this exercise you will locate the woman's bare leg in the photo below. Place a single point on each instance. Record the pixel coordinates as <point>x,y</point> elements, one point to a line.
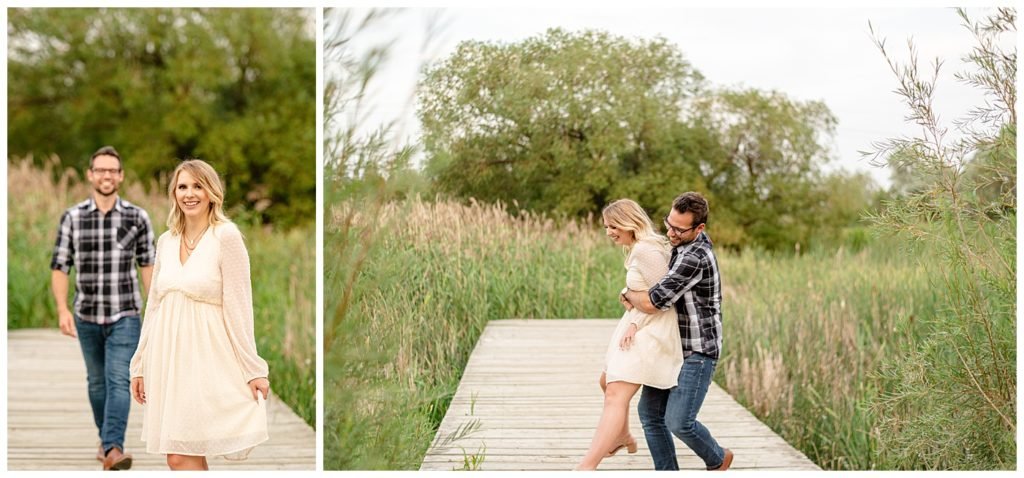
<point>625,436</point>
<point>609,429</point>
<point>187,462</point>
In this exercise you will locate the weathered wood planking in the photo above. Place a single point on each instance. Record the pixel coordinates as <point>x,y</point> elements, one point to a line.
<point>50,427</point>
<point>530,398</point>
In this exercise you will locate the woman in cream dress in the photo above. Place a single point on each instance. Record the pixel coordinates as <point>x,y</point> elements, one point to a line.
<point>196,368</point>
<point>644,349</point>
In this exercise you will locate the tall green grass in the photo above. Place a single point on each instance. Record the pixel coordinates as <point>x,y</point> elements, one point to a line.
<point>283,279</point>
<point>805,337</point>
<point>810,345</point>
<point>435,274</point>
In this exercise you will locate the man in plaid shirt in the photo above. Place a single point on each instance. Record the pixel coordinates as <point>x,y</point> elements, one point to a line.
<point>104,237</point>
<point>693,286</point>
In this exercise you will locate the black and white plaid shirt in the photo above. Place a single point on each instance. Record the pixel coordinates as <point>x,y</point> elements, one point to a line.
<point>693,285</point>
<point>103,248</point>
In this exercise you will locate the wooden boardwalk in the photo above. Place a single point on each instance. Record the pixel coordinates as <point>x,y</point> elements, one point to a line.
<point>50,426</point>
<point>529,400</point>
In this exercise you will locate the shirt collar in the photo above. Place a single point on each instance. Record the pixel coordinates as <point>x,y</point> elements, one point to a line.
<point>702,240</point>
<point>91,206</point>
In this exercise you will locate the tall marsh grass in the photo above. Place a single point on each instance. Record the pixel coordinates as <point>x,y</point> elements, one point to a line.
<point>283,278</point>
<point>435,274</point>
<point>808,338</point>
<point>806,335</point>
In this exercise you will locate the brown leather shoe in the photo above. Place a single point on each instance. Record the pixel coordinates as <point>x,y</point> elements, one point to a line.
<point>117,460</point>
<point>726,462</point>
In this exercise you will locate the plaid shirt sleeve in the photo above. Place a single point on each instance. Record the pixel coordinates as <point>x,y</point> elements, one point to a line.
<point>64,249</point>
<point>681,277</point>
<point>145,253</point>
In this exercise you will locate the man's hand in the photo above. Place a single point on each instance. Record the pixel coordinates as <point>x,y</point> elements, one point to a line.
<point>59,286</point>
<point>67,322</point>
<point>624,301</point>
<point>641,300</point>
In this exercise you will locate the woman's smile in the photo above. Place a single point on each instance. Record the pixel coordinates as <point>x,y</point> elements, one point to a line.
<point>192,197</point>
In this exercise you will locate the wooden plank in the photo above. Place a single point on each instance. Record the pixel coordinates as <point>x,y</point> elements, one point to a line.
<point>57,433</point>
<point>530,398</point>
<point>573,444</point>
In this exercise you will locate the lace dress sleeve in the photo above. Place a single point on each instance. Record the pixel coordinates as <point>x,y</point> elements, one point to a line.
<point>647,264</point>
<point>237,303</point>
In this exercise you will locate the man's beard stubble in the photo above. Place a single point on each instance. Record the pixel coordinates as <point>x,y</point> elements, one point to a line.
<point>99,190</point>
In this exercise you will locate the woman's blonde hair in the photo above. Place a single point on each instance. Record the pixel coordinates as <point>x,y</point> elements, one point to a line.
<point>207,177</point>
<point>627,215</point>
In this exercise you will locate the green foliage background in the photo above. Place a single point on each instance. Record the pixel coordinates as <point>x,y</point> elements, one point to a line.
<point>235,87</point>
<point>567,122</point>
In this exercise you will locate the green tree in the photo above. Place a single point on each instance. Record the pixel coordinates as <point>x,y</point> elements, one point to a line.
<point>767,168</point>
<point>565,122</point>
<point>846,199</point>
<point>235,87</point>
<point>556,122</point>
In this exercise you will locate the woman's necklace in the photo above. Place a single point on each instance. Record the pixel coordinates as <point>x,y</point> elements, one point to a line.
<point>190,244</point>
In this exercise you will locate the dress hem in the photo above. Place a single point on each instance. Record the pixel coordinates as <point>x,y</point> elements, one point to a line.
<point>247,449</point>
<point>659,386</point>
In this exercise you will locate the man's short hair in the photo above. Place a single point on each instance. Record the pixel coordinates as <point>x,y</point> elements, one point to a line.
<point>694,203</point>
<point>105,151</point>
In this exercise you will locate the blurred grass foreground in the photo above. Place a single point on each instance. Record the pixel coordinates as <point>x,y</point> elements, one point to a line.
<point>283,265</point>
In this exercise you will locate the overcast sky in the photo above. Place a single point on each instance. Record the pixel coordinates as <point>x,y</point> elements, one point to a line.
<point>808,54</point>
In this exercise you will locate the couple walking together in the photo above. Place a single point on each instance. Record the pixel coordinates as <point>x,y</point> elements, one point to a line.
<point>193,361</point>
<point>669,339</point>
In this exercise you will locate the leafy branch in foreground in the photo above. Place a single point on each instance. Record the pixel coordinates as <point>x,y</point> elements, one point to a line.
<point>950,402</point>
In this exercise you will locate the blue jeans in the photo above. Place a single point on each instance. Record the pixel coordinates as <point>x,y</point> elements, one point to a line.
<point>107,350</point>
<point>664,413</point>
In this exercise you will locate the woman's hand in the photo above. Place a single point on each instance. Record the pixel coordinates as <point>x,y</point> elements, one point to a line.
<point>259,384</point>
<point>627,338</point>
<point>139,390</point>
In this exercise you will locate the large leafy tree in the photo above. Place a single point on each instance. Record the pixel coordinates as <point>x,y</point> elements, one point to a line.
<point>768,160</point>
<point>235,87</point>
<point>565,122</point>
<point>560,122</point>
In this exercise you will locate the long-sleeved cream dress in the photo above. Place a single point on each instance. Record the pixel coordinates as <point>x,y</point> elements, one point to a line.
<point>197,350</point>
<point>656,354</point>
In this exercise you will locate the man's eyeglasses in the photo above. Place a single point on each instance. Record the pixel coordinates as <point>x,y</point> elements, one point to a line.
<point>102,171</point>
<point>678,231</point>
